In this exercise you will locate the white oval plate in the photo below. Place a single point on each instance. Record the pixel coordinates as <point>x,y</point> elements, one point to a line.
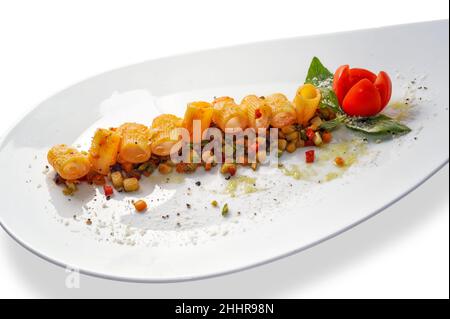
<point>283,217</point>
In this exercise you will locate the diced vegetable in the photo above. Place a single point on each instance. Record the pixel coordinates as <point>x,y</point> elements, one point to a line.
<point>183,168</point>
<point>316,122</point>
<point>70,189</point>
<point>131,184</point>
<point>282,143</point>
<point>140,205</point>
<point>228,168</point>
<point>300,143</point>
<point>164,168</point>
<point>108,190</point>
<point>117,180</point>
<point>317,139</point>
<point>310,156</point>
<point>310,134</point>
<point>327,137</point>
<point>291,147</point>
<point>339,161</point>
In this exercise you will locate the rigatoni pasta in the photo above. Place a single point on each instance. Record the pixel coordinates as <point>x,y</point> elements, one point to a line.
<point>165,134</point>
<point>283,112</point>
<point>306,101</point>
<point>135,145</point>
<point>68,162</point>
<point>104,150</point>
<point>228,114</point>
<point>259,113</point>
<point>198,111</point>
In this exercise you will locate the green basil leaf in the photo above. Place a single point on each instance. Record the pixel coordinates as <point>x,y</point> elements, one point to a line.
<point>332,124</point>
<point>377,125</point>
<point>319,75</point>
<point>329,99</point>
<point>322,78</point>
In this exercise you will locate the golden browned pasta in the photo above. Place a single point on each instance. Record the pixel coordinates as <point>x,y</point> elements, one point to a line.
<point>227,114</point>
<point>68,162</point>
<point>258,112</point>
<point>104,149</point>
<point>135,145</point>
<point>166,134</point>
<point>306,102</point>
<point>283,112</point>
<point>200,111</point>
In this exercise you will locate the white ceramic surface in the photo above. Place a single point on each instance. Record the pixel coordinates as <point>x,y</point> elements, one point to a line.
<point>283,217</point>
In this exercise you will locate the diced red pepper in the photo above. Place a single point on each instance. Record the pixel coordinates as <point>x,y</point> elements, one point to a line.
<point>310,134</point>
<point>108,190</point>
<point>258,114</point>
<point>310,156</point>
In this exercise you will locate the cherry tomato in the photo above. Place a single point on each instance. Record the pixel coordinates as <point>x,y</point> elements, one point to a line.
<point>341,82</point>
<point>384,85</point>
<point>360,92</point>
<point>363,99</point>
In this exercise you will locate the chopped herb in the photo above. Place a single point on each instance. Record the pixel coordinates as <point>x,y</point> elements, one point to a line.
<point>214,203</point>
<point>188,205</point>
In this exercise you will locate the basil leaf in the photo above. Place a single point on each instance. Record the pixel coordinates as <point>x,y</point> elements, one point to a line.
<point>332,124</point>
<point>377,125</point>
<point>329,99</point>
<point>322,78</point>
<point>318,75</point>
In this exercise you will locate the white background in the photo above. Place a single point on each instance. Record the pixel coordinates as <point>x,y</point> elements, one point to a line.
<point>46,46</point>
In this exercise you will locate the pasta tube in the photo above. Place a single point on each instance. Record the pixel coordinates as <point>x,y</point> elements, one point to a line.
<point>135,145</point>
<point>166,134</point>
<point>227,114</point>
<point>258,112</point>
<point>283,112</point>
<point>306,102</point>
<point>68,162</point>
<point>104,149</point>
<point>200,111</point>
